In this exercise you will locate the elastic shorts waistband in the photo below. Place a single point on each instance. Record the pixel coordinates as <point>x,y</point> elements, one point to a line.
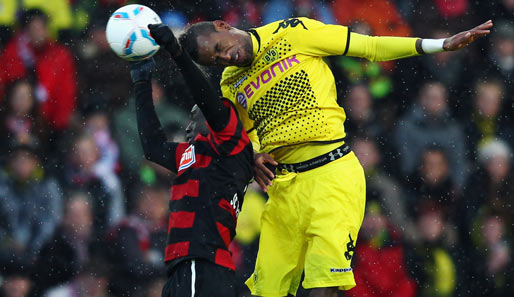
<point>318,161</point>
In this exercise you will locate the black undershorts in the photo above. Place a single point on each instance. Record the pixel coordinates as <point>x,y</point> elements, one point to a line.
<point>200,278</point>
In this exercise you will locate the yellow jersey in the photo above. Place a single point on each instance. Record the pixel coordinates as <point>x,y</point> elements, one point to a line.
<point>286,98</point>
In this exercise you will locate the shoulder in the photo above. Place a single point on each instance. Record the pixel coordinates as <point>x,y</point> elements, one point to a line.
<point>228,75</point>
<point>295,24</point>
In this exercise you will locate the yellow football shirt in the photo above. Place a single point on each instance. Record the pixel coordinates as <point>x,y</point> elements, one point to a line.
<point>287,97</point>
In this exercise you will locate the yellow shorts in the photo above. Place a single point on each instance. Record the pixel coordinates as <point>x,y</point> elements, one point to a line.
<point>310,223</point>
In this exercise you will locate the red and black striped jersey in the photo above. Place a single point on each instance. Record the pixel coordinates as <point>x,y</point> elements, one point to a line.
<point>213,173</point>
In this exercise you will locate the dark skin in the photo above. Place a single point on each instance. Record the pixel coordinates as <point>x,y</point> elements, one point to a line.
<point>197,124</point>
<point>229,46</point>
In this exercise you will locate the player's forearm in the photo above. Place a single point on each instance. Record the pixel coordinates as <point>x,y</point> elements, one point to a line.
<point>205,97</point>
<point>153,140</point>
<point>382,48</point>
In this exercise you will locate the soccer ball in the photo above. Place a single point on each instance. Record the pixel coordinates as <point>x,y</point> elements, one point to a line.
<point>128,34</point>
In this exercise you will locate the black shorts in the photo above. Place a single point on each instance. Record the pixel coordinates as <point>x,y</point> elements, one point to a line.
<point>200,278</point>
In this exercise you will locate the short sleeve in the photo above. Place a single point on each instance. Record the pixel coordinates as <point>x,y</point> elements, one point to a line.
<point>311,37</point>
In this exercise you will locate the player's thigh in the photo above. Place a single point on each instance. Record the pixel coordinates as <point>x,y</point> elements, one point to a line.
<point>279,261</point>
<point>337,209</point>
<point>198,277</point>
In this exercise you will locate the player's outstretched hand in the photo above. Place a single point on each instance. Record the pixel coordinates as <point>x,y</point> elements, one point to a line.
<point>465,38</point>
<point>263,174</point>
<point>165,38</point>
<point>141,70</point>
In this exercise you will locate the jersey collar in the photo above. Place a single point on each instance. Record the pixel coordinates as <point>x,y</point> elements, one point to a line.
<point>256,41</point>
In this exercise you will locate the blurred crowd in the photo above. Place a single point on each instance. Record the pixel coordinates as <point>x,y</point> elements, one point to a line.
<point>82,213</point>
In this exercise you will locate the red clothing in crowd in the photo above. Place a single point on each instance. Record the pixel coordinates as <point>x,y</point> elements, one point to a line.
<point>55,74</point>
<point>380,15</point>
<point>452,8</point>
<point>381,272</point>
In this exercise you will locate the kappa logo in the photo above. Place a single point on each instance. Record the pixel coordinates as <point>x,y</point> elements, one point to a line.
<point>188,158</point>
<point>241,98</point>
<point>289,23</point>
<point>341,269</point>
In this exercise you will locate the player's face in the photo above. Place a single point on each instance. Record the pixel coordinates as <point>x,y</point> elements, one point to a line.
<point>227,46</point>
<point>197,124</point>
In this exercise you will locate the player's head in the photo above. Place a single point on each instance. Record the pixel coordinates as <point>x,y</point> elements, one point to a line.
<point>218,43</point>
<point>197,124</point>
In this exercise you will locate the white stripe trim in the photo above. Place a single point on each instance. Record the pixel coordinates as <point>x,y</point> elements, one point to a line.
<point>193,278</point>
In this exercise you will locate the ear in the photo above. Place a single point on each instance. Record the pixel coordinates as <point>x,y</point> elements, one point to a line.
<point>220,25</point>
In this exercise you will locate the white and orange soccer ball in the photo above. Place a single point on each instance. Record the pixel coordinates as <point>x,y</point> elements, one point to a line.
<point>128,34</point>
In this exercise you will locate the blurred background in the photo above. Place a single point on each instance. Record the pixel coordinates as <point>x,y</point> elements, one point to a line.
<point>83,214</point>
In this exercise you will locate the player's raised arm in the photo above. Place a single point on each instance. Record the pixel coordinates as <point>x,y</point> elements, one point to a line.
<point>384,48</point>
<point>153,139</point>
<point>215,112</point>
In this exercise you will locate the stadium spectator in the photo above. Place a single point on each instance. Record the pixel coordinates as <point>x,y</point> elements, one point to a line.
<point>447,67</point>
<point>432,262</point>
<point>487,121</point>
<point>366,119</point>
<point>381,15</point>
<point>488,193</point>
<point>15,281</point>
<point>362,119</point>
<point>380,269</point>
<point>137,243</point>
<point>91,281</point>
<point>383,188</point>
<point>64,256</point>
<point>96,122</point>
<point>20,121</point>
<point>49,65</point>
<point>30,205</point>
<point>500,62</point>
<point>101,76</point>
<point>490,185</point>
<point>88,172</point>
<point>429,122</point>
<point>492,243</point>
<point>432,182</point>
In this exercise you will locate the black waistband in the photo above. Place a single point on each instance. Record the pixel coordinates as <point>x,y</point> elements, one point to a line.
<point>318,161</point>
